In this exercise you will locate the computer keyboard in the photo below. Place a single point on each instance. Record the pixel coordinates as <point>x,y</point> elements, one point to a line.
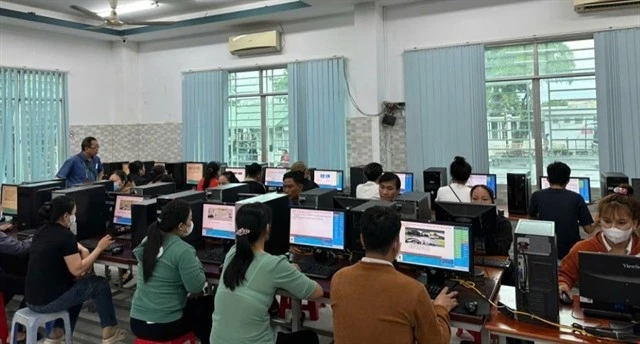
<point>214,256</point>
<point>435,289</point>
<point>496,262</point>
<point>312,268</point>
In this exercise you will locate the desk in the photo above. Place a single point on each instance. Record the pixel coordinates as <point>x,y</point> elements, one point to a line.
<point>504,326</point>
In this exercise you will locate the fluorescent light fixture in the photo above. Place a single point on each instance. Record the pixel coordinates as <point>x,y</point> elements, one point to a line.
<point>129,8</point>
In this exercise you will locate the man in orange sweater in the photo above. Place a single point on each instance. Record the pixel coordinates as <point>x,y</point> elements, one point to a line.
<point>375,304</point>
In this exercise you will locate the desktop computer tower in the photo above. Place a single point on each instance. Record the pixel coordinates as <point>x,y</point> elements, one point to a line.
<point>318,198</point>
<point>536,261</point>
<point>414,205</point>
<point>356,177</point>
<point>518,192</point>
<point>635,184</point>
<point>154,190</point>
<point>352,236</point>
<point>226,193</point>
<point>278,242</point>
<point>177,170</point>
<point>195,200</point>
<point>434,178</point>
<point>30,198</point>
<point>91,212</point>
<point>143,214</point>
<point>609,180</point>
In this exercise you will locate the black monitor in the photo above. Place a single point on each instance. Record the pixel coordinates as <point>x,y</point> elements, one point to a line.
<point>329,179</point>
<point>607,285</point>
<point>110,167</point>
<point>243,196</point>
<point>318,228</point>
<point>278,242</point>
<point>348,203</point>
<point>355,215</point>
<point>148,166</point>
<point>635,184</point>
<point>481,217</point>
<point>30,198</point>
<point>155,189</point>
<point>195,200</point>
<point>91,213</point>
<point>406,181</point>
<point>177,171</point>
<point>10,199</point>
<point>194,171</point>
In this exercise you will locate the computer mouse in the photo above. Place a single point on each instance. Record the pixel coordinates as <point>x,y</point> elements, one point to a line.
<point>565,298</point>
<point>116,250</point>
<point>471,307</point>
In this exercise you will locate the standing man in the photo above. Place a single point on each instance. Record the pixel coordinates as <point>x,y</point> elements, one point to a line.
<point>84,167</point>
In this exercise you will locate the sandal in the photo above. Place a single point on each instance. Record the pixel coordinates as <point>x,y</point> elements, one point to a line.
<point>117,337</point>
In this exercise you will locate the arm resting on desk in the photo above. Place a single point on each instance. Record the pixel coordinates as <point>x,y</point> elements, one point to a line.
<point>432,322</point>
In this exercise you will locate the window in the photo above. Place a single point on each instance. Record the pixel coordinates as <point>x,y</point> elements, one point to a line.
<point>258,117</point>
<point>541,107</point>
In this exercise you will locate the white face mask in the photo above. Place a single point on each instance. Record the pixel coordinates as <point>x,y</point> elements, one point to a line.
<point>616,235</point>
<point>189,230</point>
<point>72,224</point>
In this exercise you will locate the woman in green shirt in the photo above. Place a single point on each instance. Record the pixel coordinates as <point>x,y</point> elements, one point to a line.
<point>168,301</point>
<point>250,278</point>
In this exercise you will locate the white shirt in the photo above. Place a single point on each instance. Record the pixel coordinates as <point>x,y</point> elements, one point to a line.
<point>627,250</point>
<point>448,193</point>
<point>368,190</point>
<point>375,261</point>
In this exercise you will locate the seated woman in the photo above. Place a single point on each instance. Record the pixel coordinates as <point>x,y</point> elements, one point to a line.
<point>618,216</point>
<point>457,191</point>
<point>168,301</point>
<point>121,182</point>
<point>211,174</point>
<point>250,278</point>
<point>58,276</point>
<point>500,242</point>
<point>228,178</point>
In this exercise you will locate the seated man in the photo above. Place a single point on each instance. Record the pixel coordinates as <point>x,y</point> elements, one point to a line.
<point>293,185</point>
<point>370,189</point>
<point>254,176</point>
<point>307,183</point>
<point>375,304</point>
<point>389,186</point>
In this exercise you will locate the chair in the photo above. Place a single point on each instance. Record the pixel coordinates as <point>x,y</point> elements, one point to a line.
<point>4,330</point>
<point>188,338</point>
<point>311,306</point>
<point>32,321</point>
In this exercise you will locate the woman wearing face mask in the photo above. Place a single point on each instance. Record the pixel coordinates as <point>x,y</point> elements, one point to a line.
<point>121,182</point>
<point>57,275</point>
<point>502,239</point>
<point>619,215</point>
<point>168,302</point>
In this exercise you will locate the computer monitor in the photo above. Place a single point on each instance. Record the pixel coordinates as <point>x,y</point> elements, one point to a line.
<point>347,203</point>
<point>10,199</point>
<point>155,189</point>
<point>122,209</point>
<point>317,228</point>
<point>239,172</point>
<point>219,221</point>
<point>195,172</point>
<point>635,184</point>
<point>579,185</point>
<point>30,198</point>
<point>490,180</point>
<point>406,181</point>
<point>91,212</point>
<point>482,218</point>
<point>273,176</point>
<point>329,179</point>
<point>445,246</point>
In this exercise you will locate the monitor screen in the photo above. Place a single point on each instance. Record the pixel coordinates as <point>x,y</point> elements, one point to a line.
<point>489,180</point>
<point>406,181</point>
<point>125,168</point>
<point>219,221</point>
<point>579,185</point>
<point>195,171</point>
<point>327,179</point>
<point>238,171</point>
<point>273,176</point>
<point>122,209</point>
<point>317,228</point>
<point>10,199</point>
<point>440,246</point>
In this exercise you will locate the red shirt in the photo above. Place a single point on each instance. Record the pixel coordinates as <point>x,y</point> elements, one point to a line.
<point>212,184</point>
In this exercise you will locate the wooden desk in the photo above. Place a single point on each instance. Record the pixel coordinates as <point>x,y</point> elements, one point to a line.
<point>504,326</point>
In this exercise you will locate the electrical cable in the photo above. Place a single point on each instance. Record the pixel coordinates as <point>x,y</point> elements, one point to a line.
<point>353,101</point>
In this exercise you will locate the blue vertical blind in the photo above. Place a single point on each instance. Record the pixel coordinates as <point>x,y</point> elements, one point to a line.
<point>317,113</point>
<point>34,124</point>
<point>618,98</point>
<point>446,107</point>
<point>204,115</point>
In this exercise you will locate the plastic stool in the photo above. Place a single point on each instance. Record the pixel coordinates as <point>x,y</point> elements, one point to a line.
<point>32,320</point>
<point>188,338</point>
<point>4,330</point>
<point>311,306</point>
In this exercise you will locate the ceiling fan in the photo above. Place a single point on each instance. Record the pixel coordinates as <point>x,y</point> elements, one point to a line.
<point>113,20</point>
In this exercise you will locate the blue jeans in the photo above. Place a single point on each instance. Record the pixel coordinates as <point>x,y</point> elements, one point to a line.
<point>90,287</point>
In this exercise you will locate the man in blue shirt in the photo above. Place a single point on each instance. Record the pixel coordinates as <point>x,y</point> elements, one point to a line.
<point>84,167</point>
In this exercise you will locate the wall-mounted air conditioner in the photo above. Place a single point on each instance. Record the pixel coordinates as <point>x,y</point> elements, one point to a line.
<point>255,43</point>
<point>599,5</point>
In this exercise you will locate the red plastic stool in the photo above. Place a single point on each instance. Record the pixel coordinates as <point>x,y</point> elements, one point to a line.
<point>4,329</point>
<point>188,338</point>
<point>311,306</point>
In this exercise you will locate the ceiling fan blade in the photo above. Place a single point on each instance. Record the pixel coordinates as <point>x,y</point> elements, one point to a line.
<point>86,12</point>
<point>149,23</point>
<point>98,27</point>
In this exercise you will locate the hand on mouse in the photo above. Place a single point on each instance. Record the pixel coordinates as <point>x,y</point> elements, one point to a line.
<point>447,299</point>
<point>563,288</point>
<point>104,243</point>
<point>6,227</point>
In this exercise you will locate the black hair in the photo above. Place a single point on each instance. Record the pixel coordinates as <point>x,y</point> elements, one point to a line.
<point>165,178</point>
<point>253,170</point>
<point>460,169</point>
<point>135,167</point>
<point>86,142</point>
<point>390,177</point>
<point>379,226</point>
<point>123,176</point>
<point>254,218</point>
<point>485,188</point>
<point>173,214</point>
<point>231,177</point>
<point>210,172</point>
<point>52,211</point>
<point>297,176</point>
<point>373,171</point>
<point>558,173</point>
<point>157,172</point>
